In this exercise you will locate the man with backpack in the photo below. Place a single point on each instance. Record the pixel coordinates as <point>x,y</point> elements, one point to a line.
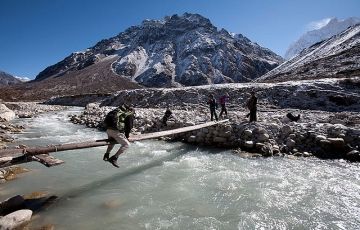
<point>119,123</point>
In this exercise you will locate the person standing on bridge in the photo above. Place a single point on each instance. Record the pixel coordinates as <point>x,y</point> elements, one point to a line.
<point>167,115</point>
<point>119,123</point>
<point>251,105</point>
<point>223,100</point>
<point>213,106</point>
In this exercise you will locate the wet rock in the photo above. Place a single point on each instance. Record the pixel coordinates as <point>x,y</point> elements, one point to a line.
<point>39,201</point>
<point>325,144</point>
<point>259,130</point>
<point>16,220</point>
<point>227,134</point>
<point>290,143</point>
<point>274,126</point>
<point>286,130</point>
<point>249,144</point>
<point>337,143</point>
<point>191,139</point>
<point>259,146</point>
<point>353,155</point>
<point>36,195</point>
<point>247,133</point>
<point>205,130</point>
<point>219,139</point>
<point>12,204</point>
<point>262,137</point>
<point>6,113</point>
<point>26,115</point>
<point>319,138</point>
<point>267,150</point>
<point>12,172</point>
<point>276,149</point>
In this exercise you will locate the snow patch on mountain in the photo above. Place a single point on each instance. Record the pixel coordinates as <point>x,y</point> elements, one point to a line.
<point>338,56</point>
<point>324,29</point>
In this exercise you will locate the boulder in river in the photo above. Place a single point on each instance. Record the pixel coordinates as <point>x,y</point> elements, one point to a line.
<point>15,220</point>
<point>6,113</point>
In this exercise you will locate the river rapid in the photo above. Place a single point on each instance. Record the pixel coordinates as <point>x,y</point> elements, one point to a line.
<point>162,185</point>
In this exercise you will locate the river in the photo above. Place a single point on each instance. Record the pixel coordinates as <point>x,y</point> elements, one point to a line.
<point>162,185</point>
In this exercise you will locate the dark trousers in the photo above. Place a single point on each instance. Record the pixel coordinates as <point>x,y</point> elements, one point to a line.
<point>223,109</point>
<point>253,115</point>
<point>213,113</point>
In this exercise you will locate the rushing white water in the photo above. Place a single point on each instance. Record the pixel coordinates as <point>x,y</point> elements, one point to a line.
<point>164,185</point>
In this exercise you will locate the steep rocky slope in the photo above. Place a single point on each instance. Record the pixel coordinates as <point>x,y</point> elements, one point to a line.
<point>336,57</point>
<point>177,51</point>
<point>96,79</point>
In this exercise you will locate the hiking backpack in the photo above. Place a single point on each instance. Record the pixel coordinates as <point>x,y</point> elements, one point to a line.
<point>116,119</point>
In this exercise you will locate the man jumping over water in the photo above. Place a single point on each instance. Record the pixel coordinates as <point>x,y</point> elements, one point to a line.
<point>119,123</point>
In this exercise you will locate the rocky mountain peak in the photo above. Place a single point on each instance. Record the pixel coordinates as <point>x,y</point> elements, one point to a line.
<point>180,50</point>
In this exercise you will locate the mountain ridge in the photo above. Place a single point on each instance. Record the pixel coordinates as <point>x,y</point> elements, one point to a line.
<point>336,57</point>
<point>177,51</point>
<point>332,27</point>
<point>8,79</point>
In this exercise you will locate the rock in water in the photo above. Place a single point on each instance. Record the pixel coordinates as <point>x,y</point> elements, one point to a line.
<point>353,155</point>
<point>15,220</point>
<point>6,113</point>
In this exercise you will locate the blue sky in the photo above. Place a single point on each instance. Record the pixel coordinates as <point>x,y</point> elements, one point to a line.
<point>37,33</point>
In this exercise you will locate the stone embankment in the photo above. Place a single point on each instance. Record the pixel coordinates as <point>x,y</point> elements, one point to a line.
<point>273,135</point>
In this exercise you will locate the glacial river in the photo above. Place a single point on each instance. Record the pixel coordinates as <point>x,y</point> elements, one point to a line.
<point>162,185</point>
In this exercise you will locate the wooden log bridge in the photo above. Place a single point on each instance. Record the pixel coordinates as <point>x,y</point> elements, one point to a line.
<point>10,157</point>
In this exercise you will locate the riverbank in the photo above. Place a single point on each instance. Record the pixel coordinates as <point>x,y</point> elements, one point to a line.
<point>329,109</point>
<point>317,133</point>
<point>10,111</point>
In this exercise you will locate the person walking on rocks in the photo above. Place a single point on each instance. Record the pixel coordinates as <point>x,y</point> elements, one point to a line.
<point>251,105</point>
<point>119,123</point>
<point>213,106</point>
<point>223,100</point>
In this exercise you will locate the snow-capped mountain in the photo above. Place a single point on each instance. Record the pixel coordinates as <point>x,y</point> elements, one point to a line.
<point>181,50</point>
<point>333,27</point>
<point>8,79</point>
<point>23,79</point>
<point>337,57</point>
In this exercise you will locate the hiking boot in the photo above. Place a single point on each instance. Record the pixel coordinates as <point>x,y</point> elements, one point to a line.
<point>113,161</point>
<point>106,157</point>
